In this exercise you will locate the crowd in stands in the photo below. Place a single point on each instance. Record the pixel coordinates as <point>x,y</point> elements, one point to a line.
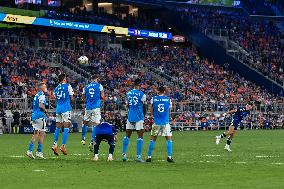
<point>261,39</point>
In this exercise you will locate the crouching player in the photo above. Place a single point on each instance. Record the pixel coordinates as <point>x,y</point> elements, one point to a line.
<point>238,115</point>
<point>39,115</point>
<point>105,131</point>
<point>160,110</point>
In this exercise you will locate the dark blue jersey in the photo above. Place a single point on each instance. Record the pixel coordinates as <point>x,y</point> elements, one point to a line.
<point>239,115</point>
<point>105,128</point>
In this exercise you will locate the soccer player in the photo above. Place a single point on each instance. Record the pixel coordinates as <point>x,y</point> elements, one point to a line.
<point>39,115</point>
<point>105,131</point>
<point>160,110</point>
<point>238,115</point>
<point>136,102</point>
<point>94,93</point>
<point>63,94</point>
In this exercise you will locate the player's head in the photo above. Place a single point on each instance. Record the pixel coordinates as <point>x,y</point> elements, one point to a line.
<point>62,78</point>
<point>137,82</point>
<point>161,90</point>
<point>95,77</point>
<point>42,87</point>
<point>249,105</point>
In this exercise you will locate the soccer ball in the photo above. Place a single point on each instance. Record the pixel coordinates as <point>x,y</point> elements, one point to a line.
<point>83,60</point>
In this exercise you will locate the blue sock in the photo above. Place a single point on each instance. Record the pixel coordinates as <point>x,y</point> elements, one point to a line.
<point>139,146</point>
<point>125,144</point>
<point>151,148</point>
<point>31,146</point>
<point>56,134</point>
<point>93,133</point>
<point>170,148</point>
<point>84,131</point>
<point>39,147</point>
<point>65,136</point>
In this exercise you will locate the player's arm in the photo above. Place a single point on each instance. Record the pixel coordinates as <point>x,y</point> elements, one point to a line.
<point>143,99</point>
<point>102,92</point>
<point>230,112</point>
<point>114,133</point>
<point>41,104</point>
<point>151,108</point>
<point>71,92</point>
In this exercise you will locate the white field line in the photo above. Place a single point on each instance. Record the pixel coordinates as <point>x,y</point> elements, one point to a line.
<point>38,170</point>
<point>241,162</point>
<point>212,155</point>
<point>16,156</point>
<point>266,156</point>
<point>277,163</point>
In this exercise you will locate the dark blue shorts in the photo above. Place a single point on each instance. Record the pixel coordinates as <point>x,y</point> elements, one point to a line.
<point>100,137</point>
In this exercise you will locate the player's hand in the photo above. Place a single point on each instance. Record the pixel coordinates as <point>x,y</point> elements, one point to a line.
<point>115,138</point>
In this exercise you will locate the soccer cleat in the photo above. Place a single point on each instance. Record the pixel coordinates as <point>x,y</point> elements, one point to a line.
<point>124,158</point>
<point>149,160</point>
<point>63,150</point>
<point>227,148</point>
<point>40,155</point>
<point>30,154</point>
<point>91,146</point>
<point>218,138</point>
<point>83,142</point>
<point>139,160</point>
<point>109,159</point>
<point>95,158</point>
<point>170,160</point>
<point>55,150</point>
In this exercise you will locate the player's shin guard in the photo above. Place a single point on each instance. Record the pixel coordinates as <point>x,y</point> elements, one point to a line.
<point>93,133</point>
<point>223,135</point>
<point>139,147</point>
<point>65,136</point>
<point>229,141</point>
<point>39,147</point>
<point>125,144</point>
<point>170,148</point>
<point>151,148</point>
<point>31,146</point>
<point>84,131</point>
<point>56,135</point>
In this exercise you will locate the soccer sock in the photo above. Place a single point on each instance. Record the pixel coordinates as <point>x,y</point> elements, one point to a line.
<point>84,131</point>
<point>170,148</point>
<point>39,147</point>
<point>223,135</point>
<point>93,133</point>
<point>65,136</point>
<point>229,141</point>
<point>111,148</point>
<point>31,146</point>
<point>151,148</point>
<point>125,145</point>
<point>96,149</point>
<point>56,135</point>
<point>139,147</point>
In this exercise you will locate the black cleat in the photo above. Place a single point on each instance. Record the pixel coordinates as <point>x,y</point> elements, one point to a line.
<point>148,159</point>
<point>170,160</point>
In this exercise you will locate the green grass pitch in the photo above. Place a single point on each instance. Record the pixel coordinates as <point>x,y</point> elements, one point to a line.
<point>257,161</point>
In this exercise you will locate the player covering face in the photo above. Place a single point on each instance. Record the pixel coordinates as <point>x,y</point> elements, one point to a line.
<point>160,110</point>
<point>238,115</point>
<point>63,94</point>
<point>39,116</point>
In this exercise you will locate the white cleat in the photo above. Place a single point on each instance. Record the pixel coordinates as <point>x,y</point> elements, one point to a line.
<point>227,148</point>
<point>40,155</point>
<point>30,154</point>
<point>109,159</point>
<point>96,158</point>
<point>218,138</point>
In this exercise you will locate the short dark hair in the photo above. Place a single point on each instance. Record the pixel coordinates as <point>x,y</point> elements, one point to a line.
<point>137,82</point>
<point>161,89</point>
<point>95,76</point>
<point>40,84</point>
<point>61,77</point>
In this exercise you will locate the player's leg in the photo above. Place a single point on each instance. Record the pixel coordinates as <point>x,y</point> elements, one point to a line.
<point>219,137</point>
<point>129,128</point>
<point>111,143</point>
<point>154,134</point>
<point>58,128</point>
<point>39,153</point>
<point>95,117</point>
<point>29,153</point>
<point>140,132</point>
<point>66,125</point>
<point>97,143</point>
<point>167,133</point>
<point>231,133</point>
<point>84,131</point>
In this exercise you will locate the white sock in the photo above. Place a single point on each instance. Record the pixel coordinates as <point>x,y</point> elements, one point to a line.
<point>110,155</point>
<point>96,155</point>
<point>149,156</point>
<point>170,157</point>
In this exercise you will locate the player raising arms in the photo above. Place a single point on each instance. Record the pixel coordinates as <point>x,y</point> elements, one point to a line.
<point>160,110</point>
<point>94,93</point>
<point>63,94</point>
<point>39,115</point>
<point>238,115</point>
<point>136,102</point>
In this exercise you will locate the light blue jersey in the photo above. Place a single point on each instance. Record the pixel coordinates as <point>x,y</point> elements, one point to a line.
<point>135,100</point>
<point>37,112</point>
<point>161,109</point>
<point>92,92</point>
<point>63,101</point>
